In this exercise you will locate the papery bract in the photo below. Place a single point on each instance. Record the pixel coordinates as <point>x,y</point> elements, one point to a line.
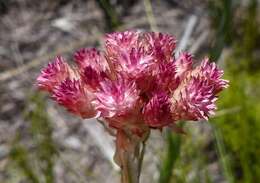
<point>117,97</point>
<point>194,100</point>
<point>134,64</point>
<point>157,112</point>
<point>183,64</point>
<point>121,41</point>
<point>166,77</point>
<point>160,45</point>
<point>213,75</point>
<point>93,78</point>
<point>73,95</point>
<point>53,74</point>
<point>90,57</point>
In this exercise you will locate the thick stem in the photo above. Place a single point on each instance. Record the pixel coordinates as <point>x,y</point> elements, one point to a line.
<point>131,169</point>
<point>129,157</point>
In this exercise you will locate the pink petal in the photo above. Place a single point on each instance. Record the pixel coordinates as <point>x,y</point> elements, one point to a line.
<point>117,97</point>
<point>120,41</point>
<point>157,112</point>
<point>93,77</point>
<point>161,45</point>
<point>193,100</point>
<point>183,64</point>
<point>127,55</point>
<point>53,74</point>
<point>86,57</point>
<point>166,78</point>
<point>134,63</point>
<point>213,75</point>
<point>73,96</point>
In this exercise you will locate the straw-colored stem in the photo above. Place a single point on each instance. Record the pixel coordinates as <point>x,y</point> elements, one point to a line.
<point>129,156</point>
<point>132,165</point>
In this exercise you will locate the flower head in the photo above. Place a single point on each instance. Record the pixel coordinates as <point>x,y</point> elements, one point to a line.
<point>90,57</point>
<point>166,77</point>
<point>92,77</point>
<point>121,41</point>
<point>213,75</point>
<point>193,100</point>
<point>157,112</point>
<point>161,45</point>
<point>117,98</point>
<point>134,64</point>
<point>183,64</point>
<point>53,74</point>
<point>75,97</point>
<point>135,84</point>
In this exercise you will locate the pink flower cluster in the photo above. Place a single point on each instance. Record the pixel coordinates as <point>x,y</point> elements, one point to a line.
<point>135,83</point>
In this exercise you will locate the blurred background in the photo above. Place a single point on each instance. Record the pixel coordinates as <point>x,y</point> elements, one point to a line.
<point>42,143</point>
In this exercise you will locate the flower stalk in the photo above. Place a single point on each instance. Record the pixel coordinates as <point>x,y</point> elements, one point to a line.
<point>129,156</point>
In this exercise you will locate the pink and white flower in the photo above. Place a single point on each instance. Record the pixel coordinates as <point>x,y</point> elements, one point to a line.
<point>117,97</point>
<point>135,84</point>
<point>183,65</point>
<point>53,74</point>
<point>160,45</point>
<point>193,100</point>
<point>75,97</point>
<point>90,57</point>
<point>157,112</point>
<point>213,75</point>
